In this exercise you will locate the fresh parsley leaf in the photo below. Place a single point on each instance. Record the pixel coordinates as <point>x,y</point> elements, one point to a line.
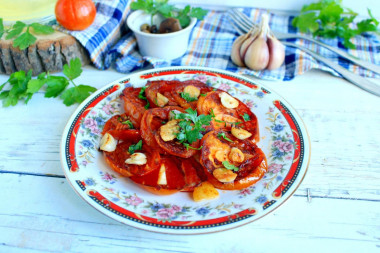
<point>132,149</point>
<point>55,85</point>
<point>23,86</point>
<point>18,82</point>
<point>73,70</point>
<point>246,117</point>
<point>76,94</point>
<point>16,30</point>
<point>35,85</point>
<point>183,16</point>
<point>1,27</point>
<point>24,40</point>
<point>229,166</point>
<point>187,97</point>
<point>223,135</point>
<point>198,13</point>
<point>41,29</point>
<point>328,19</point>
<point>129,123</point>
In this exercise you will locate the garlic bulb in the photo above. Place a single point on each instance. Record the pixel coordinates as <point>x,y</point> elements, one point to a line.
<point>258,49</point>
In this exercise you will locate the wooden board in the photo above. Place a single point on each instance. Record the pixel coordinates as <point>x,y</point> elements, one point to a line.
<point>49,53</point>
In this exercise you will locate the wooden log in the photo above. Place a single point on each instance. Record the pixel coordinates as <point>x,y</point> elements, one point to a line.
<point>49,54</point>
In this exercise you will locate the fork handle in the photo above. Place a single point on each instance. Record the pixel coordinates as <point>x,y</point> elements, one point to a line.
<point>349,76</point>
<point>357,61</point>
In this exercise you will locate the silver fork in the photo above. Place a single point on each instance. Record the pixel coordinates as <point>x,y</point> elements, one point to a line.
<point>246,24</point>
<point>349,76</point>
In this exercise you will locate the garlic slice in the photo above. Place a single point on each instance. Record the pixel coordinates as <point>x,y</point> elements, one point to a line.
<point>228,101</point>
<point>240,133</point>
<point>224,175</point>
<point>161,100</point>
<point>162,176</point>
<point>193,91</point>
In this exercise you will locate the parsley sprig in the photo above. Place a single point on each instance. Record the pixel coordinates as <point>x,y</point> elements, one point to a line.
<point>328,19</point>
<point>23,86</point>
<point>246,117</point>
<point>143,96</point>
<point>191,126</point>
<point>129,123</point>
<point>223,135</point>
<point>134,147</point>
<point>167,10</point>
<point>187,97</point>
<point>229,166</point>
<point>21,33</point>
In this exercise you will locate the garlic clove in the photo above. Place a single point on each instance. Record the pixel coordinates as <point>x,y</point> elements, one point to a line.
<point>276,52</point>
<point>235,52</point>
<point>108,143</point>
<point>244,47</point>
<point>257,55</point>
<point>137,159</point>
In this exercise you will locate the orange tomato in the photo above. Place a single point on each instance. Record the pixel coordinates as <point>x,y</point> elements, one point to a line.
<point>75,15</point>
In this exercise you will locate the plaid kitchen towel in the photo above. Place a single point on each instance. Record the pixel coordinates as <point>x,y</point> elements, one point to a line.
<point>110,43</point>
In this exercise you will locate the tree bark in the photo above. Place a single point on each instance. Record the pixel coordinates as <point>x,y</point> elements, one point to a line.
<point>48,54</point>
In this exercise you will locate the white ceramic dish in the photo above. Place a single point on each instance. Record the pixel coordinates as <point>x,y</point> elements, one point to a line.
<point>166,46</point>
<point>283,138</point>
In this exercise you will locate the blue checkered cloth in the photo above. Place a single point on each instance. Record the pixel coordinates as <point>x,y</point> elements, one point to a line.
<point>111,44</point>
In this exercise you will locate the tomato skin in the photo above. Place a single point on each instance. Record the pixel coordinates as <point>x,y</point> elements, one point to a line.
<point>75,15</point>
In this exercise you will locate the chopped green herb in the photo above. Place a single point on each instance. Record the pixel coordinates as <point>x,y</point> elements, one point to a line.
<point>143,96</point>
<point>191,126</point>
<point>229,166</point>
<point>187,97</point>
<point>246,117</point>
<point>203,95</point>
<point>129,123</point>
<point>190,147</point>
<point>223,135</point>
<point>138,146</point>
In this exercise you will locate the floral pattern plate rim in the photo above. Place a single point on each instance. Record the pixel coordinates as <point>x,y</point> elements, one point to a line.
<point>283,138</point>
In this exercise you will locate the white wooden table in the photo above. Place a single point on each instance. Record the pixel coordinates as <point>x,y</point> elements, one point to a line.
<point>40,212</point>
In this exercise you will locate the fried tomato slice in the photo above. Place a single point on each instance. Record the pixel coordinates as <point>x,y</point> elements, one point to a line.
<point>251,161</point>
<point>193,174</point>
<point>164,87</point>
<point>117,122</point>
<point>179,90</point>
<point>134,106</point>
<point>116,159</point>
<point>240,116</point>
<point>174,177</point>
<point>173,90</point>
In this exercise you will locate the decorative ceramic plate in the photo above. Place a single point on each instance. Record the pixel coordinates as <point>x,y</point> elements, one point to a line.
<point>283,138</point>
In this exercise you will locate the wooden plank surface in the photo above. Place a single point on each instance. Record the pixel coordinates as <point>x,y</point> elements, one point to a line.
<point>58,219</point>
<point>40,212</point>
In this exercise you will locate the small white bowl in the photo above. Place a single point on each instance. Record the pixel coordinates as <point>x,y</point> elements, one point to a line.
<point>167,46</point>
